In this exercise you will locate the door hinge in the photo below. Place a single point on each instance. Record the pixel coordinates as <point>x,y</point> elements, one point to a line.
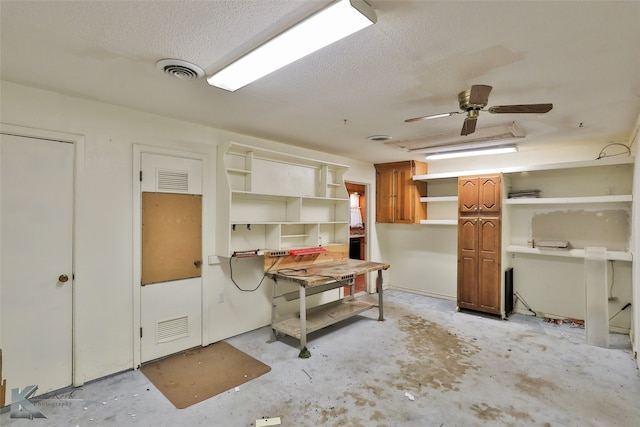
<point>140,176</point>
<point>140,332</point>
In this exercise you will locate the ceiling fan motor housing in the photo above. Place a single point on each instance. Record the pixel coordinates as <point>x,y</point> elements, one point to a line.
<point>466,104</point>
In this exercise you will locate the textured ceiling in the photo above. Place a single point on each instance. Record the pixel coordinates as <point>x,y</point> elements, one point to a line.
<point>581,56</point>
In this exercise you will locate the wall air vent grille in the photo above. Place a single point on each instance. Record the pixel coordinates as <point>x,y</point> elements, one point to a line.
<point>172,329</point>
<point>171,181</point>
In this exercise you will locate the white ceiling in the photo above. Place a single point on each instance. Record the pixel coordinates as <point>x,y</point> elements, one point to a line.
<point>581,56</point>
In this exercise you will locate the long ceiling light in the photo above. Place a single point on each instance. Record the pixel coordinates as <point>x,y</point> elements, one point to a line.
<point>482,137</point>
<point>338,20</point>
<point>469,153</point>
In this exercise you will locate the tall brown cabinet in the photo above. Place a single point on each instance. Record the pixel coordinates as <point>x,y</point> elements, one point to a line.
<point>479,242</point>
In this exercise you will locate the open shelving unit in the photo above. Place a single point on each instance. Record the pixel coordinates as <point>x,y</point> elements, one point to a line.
<point>272,200</point>
<point>442,201</point>
<point>593,196</point>
<point>603,184</point>
<point>586,203</point>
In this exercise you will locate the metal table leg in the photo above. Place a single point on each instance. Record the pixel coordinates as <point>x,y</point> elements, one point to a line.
<point>303,317</point>
<point>380,304</point>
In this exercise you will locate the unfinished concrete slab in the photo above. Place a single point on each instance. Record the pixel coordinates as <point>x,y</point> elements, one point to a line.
<point>425,365</point>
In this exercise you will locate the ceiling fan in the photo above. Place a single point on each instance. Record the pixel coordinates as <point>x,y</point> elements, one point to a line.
<point>473,100</point>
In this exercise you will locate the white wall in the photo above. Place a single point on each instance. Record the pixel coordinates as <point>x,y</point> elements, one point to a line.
<point>635,245</point>
<point>104,257</point>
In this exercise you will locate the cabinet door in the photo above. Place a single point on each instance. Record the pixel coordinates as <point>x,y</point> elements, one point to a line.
<point>405,190</point>
<point>489,194</point>
<point>385,194</point>
<point>468,194</point>
<point>468,263</point>
<point>489,265</point>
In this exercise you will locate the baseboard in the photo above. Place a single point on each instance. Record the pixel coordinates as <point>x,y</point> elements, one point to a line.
<point>424,293</point>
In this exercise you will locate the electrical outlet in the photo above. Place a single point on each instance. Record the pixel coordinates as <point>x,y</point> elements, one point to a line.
<point>220,297</point>
<point>274,254</point>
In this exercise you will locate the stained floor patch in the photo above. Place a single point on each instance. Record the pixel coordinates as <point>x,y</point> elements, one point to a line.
<point>438,358</point>
<point>535,387</point>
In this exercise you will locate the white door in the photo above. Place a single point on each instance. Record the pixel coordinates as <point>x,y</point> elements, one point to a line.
<point>171,311</point>
<point>36,283</point>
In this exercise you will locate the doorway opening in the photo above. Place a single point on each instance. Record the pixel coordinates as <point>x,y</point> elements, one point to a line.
<point>357,230</point>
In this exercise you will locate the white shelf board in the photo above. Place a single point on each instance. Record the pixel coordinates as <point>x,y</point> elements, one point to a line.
<point>240,171</point>
<point>248,222</point>
<point>569,200</point>
<point>568,253</point>
<point>322,316</point>
<point>606,161</point>
<point>282,197</point>
<point>438,199</point>
<point>276,156</point>
<point>439,222</point>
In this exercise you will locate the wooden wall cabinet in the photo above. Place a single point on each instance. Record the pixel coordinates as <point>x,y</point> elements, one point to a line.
<point>479,243</point>
<point>398,195</point>
<point>480,194</point>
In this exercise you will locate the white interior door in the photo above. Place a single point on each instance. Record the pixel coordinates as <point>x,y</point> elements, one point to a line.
<point>170,311</point>
<point>36,282</point>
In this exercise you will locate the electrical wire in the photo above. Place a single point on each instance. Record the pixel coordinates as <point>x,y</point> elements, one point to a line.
<point>613,273</point>
<point>261,280</point>
<point>603,155</point>
<point>627,305</point>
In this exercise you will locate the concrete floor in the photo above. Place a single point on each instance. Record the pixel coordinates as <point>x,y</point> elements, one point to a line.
<point>460,369</point>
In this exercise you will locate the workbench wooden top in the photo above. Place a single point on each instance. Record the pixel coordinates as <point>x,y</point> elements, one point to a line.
<point>326,272</point>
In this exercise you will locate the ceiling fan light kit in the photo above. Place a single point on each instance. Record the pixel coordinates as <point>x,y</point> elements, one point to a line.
<point>339,20</point>
<point>474,100</point>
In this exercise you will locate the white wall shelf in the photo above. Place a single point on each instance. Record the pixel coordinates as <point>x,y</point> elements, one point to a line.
<point>439,222</point>
<point>569,200</point>
<point>439,199</point>
<point>272,200</point>
<point>442,202</point>
<point>568,253</point>
<point>528,168</point>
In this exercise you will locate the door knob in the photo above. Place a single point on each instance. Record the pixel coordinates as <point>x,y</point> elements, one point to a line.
<point>197,263</point>
<point>63,278</point>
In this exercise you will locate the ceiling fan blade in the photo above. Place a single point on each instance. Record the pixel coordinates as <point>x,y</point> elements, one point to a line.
<point>479,94</point>
<point>469,126</point>
<point>432,116</point>
<point>523,108</point>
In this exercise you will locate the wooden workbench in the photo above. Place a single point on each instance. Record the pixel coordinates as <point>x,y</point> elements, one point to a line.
<point>320,277</point>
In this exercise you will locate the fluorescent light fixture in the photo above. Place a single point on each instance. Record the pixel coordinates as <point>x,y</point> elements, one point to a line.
<point>338,20</point>
<point>469,153</point>
<point>483,137</point>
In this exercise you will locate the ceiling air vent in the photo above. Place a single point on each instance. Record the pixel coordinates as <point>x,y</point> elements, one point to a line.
<point>179,69</point>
